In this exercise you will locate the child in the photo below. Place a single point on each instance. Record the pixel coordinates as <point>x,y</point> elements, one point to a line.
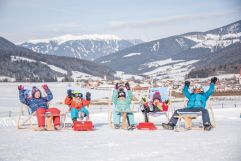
<point>156,105</point>
<point>196,103</point>
<point>122,103</point>
<point>40,105</point>
<point>76,103</point>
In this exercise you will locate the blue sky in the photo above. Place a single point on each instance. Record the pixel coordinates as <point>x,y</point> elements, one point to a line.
<point>22,20</point>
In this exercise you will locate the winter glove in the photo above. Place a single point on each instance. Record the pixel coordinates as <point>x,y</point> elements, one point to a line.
<point>116,86</point>
<point>127,85</point>
<point>69,93</point>
<point>88,95</point>
<point>187,83</point>
<point>45,87</point>
<point>143,99</point>
<point>214,80</point>
<point>166,102</point>
<point>20,87</point>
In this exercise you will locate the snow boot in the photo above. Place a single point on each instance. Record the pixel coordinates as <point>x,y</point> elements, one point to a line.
<point>168,126</point>
<point>208,127</point>
<point>57,127</point>
<point>131,127</point>
<point>41,128</point>
<point>116,126</point>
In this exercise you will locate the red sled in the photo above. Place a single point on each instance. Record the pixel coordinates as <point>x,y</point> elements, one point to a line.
<point>146,126</point>
<point>83,126</point>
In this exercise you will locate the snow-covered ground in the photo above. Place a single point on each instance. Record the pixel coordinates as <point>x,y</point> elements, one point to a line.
<point>122,75</point>
<point>174,69</point>
<point>106,144</point>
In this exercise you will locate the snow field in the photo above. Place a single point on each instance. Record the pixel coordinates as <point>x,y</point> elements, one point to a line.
<point>105,144</point>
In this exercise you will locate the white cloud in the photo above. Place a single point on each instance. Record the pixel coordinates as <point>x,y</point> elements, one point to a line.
<point>165,20</point>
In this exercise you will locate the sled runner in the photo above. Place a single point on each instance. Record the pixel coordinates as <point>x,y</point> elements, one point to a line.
<point>26,117</point>
<point>189,117</point>
<point>26,120</point>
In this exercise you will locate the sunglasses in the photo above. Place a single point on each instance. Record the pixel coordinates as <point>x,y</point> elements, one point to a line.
<point>77,95</point>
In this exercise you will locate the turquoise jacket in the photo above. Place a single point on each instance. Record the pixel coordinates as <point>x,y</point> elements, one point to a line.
<point>196,100</point>
<point>122,105</point>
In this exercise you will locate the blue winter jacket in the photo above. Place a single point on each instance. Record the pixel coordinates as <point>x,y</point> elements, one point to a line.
<point>122,105</point>
<point>198,99</point>
<point>35,103</point>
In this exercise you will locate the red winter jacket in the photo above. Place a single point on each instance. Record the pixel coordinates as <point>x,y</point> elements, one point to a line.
<point>76,104</point>
<point>162,106</point>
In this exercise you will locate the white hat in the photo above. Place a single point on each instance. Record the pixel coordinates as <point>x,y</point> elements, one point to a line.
<point>198,86</point>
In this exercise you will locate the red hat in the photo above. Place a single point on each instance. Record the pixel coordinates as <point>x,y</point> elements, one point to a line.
<point>156,95</point>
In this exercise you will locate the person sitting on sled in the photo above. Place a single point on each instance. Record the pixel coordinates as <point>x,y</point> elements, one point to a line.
<point>122,102</point>
<point>40,104</point>
<point>77,104</point>
<point>196,103</point>
<point>156,105</point>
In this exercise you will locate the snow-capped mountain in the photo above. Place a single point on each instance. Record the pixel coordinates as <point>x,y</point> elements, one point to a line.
<point>175,56</point>
<point>217,38</point>
<point>21,64</point>
<point>88,47</point>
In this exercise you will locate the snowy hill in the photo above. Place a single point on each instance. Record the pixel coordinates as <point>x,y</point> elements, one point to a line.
<point>217,38</point>
<point>88,47</point>
<point>175,56</point>
<point>21,64</point>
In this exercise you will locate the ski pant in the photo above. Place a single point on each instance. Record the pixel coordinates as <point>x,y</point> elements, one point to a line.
<point>117,117</point>
<point>75,113</point>
<point>41,118</point>
<point>205,114</point>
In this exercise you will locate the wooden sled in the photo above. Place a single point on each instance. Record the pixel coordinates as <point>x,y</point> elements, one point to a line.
<point>190,116</point>
<point>29,121</point>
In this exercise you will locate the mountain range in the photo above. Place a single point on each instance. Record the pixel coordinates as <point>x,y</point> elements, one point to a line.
<point>88,47</point>
<point>23,64</point>
<point>193,54</point>
<point>175,56</point>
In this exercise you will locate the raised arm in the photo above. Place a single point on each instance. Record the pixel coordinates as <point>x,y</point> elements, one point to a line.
<point>48,92</point>
<point>86,101</point>
<point>211,87</point>
<point>114,96</point>
<point>130,95</point>
<point>185,89</point>
<point>68,100</point>
<point>22,97</point>
<point>210,90</point>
